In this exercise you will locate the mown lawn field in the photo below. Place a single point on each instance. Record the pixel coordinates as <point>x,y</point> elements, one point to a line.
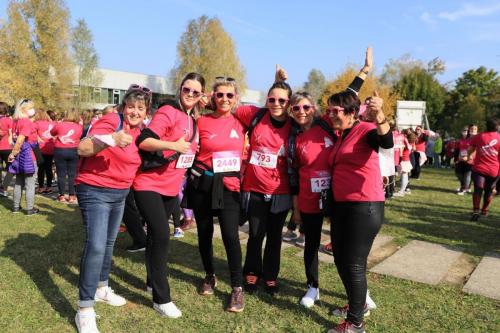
<point>39,263</point>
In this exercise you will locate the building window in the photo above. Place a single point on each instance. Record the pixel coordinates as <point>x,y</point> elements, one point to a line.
<point>116,96</point>
<point>96,95</point>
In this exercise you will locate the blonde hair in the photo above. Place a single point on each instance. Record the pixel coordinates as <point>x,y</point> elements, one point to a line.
<point>72,115</point>
<point>22,106</point>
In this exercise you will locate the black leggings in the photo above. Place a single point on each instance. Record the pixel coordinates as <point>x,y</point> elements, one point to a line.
<point>354,227</point>
<point>415,172</point>
<point>45,171</point>
<point>133,221</point>
<point>263,223</point>
<point>312,225</point>
<point>156,209</point>
<point>486,184</point>
<point>4,163</point>
<point>228,221</point>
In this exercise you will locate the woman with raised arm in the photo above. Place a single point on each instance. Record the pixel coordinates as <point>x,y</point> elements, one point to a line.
<point>358,196</point>
<point>108,164</point>
<point>168,146</point>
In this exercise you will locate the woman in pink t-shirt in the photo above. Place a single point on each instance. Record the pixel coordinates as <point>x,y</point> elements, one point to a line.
<point>5,142</point>
<point>67,135</point>
<point>486,168</point>
<point>358,197</point>
<point>43,125</point>
<point>22,158</point>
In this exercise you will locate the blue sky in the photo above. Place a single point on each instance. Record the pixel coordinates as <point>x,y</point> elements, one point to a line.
<point>141,36</point>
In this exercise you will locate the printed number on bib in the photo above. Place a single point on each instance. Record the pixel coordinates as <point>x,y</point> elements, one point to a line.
<point>264,158</point>
<point>463,153</point>
<point>185,161</point>
<point>226,161</point>
<point>320,181</point>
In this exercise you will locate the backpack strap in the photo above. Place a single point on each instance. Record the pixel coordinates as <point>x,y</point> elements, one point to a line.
<point>293,175</point>
<point>256,119</point>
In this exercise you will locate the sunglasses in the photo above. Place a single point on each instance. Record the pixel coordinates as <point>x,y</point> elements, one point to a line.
<point>24,101</point>
<point>187,91</point>
<point>305,107</point>
<point>221,95</point>
<point>334,110</point>
<point>136,87</point>
<point>225,78</point>
<point>281,101</point>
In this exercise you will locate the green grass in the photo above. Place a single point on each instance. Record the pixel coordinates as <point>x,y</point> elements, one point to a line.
<point>39,258</point>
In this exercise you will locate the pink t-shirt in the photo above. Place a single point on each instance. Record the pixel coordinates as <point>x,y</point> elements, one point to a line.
<point>5,128</point>
<point>170,125</point>
<point>24,126</point>
<point>43,128</point>
<point>222,140</point>
<point>487,160</point>
<point>67,134</point>
<point>267,168</point>
<point>113,167</point>
<point>313,148</point>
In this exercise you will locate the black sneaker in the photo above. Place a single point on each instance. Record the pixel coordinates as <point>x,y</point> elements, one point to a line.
<point>474,217</point>
<point>16,210</point>
<point>251,283</point>
<point>271,287</point>
<point>136,248</point>
<point>32,211</point>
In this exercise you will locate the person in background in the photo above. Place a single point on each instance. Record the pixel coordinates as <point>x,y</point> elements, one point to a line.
<point>5,144</point>
<point>43,125</point>
<point>405,166</point>
<point>67,134</point>
<point>486,168</point>
<point>419,152</point>
<point>22,157</point>
<point>291,236</point>
<point>438,148</point>
<point>86,119</point>
<point>463,165</point>
<point>449,152</point>
<point>108,166</point>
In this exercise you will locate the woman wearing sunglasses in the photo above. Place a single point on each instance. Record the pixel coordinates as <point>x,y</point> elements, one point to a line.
<point>358,196</point>
<point>109,162</point>
<point>156,189</point>
<point>217,191</point>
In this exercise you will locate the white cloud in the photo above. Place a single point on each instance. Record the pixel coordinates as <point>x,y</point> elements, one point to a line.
<point>469,10</point>
<point>427,19</point>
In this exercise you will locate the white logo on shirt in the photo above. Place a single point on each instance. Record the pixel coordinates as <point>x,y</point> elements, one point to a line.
<point>211,136</point>
<point>328,142</point>
<point>233,135</point>
<point>66,139</point>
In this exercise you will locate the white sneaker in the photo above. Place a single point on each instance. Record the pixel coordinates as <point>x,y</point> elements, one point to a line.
<point>107,295</point>
<point>168,310</point>
<point>85,322</point>
<point>461,193</point>
<point>399,194</point>
<point>370,304</point>
<point>311,296</point>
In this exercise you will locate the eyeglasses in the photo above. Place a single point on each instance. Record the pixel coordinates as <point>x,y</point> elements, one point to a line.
<point>136,87</point>
<point>225,78</point>
<point>24,101</point>
<point>221,95</point>
<point>305,107</point>
<point>187,91</point>
<point>334,110</point>
<point>281,101</point>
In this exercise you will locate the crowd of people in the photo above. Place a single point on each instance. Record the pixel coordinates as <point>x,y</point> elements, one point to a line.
<point>212,156</point>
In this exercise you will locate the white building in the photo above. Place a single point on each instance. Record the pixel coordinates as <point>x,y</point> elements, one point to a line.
<point>114,84</point>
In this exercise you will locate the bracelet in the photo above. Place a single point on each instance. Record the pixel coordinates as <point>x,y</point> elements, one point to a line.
<point>382,122</point>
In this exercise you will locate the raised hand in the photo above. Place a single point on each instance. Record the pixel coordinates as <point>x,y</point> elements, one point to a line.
<point>122,138</point>
<point>375,111</point>
<point>368,60</point>
<point>280,75</point>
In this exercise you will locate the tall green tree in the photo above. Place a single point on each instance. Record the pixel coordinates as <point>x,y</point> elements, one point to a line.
<point>86,60</point>
<point>206,48</point>
<point>420,85</point>
<point>34,53</point>
<point>395,69</point>
<point>316,83</point>
<point>470,111</point>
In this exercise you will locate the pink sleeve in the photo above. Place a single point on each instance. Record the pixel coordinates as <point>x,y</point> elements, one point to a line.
<point>473,142</point>
<point>246,113</point>
<point>105,125</point>
<point>53,131</point>
<point>162,121</point>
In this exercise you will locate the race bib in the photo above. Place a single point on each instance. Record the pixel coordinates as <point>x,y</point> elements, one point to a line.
<point>320,181</point>
<point>263,157</point>
<point>463,152</point>
<point>226,161</point>
<point>185,161</point>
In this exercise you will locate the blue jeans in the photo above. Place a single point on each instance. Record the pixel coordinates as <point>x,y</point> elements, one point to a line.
<point>102,211</point>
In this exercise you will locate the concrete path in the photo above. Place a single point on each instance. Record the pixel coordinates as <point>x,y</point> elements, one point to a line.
<point>485,280</point>
<point>419,261</point>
